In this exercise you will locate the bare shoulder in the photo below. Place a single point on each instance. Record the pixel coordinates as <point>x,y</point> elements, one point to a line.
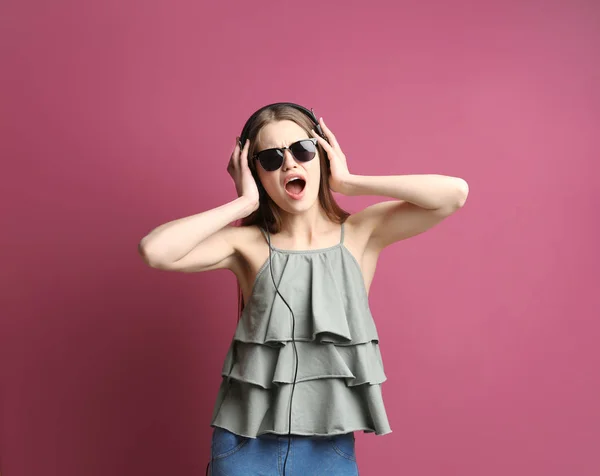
<point>251,251</point>
<point>355,230</point>
<point>360,225</point>
<point>245,239</point>
<point>357,241</point>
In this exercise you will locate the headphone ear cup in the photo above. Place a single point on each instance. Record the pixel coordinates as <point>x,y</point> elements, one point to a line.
<point>319,130</point>
<point>321,133</point>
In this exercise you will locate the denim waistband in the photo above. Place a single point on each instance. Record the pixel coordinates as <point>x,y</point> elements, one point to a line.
<point>277,436</point>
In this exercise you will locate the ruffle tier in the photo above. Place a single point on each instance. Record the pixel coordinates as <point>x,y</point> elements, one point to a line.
<point>319,408</point>
<point>326,292</point>
<point>267,366</point>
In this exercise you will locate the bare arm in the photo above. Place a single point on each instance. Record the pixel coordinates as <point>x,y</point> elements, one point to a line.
<point>421,202</point>
<point>196,243</point>
<point>206,240</point>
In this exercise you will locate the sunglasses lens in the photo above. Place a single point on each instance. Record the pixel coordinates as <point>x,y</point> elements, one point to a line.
<point>303,150</point>
<point>270,159</point>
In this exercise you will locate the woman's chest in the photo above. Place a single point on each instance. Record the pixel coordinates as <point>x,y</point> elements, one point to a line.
<point>346,259</point>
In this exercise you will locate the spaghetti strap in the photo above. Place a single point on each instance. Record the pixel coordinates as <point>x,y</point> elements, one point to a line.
<point>342,235</point>
<point>265,234</point>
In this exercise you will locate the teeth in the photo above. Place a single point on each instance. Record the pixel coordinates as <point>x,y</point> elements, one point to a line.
<point>292,179</point>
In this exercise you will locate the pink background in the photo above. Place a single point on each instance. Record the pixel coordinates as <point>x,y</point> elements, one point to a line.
<point>118,116</point>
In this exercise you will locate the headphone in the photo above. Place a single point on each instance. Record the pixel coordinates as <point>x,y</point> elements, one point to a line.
<point>243,137</point>
<point>307,112</point>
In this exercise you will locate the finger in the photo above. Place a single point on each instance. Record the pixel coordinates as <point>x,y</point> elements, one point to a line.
<point>241,149</point>
<point>328,133</point>
<point>231,164</point>
<point>246,147</point>
<point>244,155</point>
<point>322,141</point>
<point>235,152</point>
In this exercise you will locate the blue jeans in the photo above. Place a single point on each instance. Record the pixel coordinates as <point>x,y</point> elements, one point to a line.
<point>234,455</point>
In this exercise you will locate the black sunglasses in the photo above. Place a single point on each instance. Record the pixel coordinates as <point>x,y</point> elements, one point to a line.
<point>303,150</point>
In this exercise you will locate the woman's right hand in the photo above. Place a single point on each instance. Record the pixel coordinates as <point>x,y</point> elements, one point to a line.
<point>245,184</point>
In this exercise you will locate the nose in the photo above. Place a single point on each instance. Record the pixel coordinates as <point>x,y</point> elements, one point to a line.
<point>288,160</point>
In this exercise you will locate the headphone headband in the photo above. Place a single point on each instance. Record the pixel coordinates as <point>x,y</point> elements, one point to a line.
<point>308,112</point>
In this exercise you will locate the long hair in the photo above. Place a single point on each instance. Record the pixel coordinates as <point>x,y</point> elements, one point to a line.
<point>268,214</point>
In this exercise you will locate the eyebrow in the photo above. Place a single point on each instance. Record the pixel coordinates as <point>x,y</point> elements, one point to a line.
<point>280,146</point>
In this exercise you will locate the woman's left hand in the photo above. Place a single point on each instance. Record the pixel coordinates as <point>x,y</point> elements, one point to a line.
<point>339,173</point>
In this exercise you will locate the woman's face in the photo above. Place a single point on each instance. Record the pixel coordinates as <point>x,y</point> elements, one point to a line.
<point>298,195</point>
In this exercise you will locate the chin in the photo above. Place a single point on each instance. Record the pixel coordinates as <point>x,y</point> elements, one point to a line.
<point>295,207</point>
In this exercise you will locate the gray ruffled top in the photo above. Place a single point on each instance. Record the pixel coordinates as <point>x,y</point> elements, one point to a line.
<point>340,369</point>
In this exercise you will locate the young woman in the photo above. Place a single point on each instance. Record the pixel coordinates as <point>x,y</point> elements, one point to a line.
<point>304,370</point>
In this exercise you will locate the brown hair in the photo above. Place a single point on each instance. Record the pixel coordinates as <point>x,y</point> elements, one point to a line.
<point>268,213</point>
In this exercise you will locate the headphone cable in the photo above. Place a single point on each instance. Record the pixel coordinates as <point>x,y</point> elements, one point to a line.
<point>295,352</point>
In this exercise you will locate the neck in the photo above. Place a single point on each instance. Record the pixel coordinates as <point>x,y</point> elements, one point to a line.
<point>305,227</point>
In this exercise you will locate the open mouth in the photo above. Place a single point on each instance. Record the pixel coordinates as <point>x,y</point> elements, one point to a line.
<point>295,186</point>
